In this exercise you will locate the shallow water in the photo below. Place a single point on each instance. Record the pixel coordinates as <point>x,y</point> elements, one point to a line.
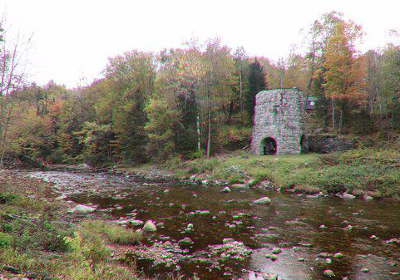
<point>307,230</point>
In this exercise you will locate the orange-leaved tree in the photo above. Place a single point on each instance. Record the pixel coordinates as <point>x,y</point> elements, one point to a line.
<point>344,84</point>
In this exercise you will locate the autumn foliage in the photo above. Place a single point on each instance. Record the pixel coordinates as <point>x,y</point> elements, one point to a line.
<point>199,99</point>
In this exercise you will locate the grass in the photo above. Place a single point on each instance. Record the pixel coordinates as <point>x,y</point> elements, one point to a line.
<point>362,171</point>
<point>112,233</point>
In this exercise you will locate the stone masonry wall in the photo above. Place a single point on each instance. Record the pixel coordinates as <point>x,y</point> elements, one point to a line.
<point>279,114</point>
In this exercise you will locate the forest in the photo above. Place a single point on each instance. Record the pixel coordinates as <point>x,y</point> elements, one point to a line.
<point>195,101</point>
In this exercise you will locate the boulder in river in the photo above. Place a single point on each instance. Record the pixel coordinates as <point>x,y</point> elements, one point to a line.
<point>239,186</point>
<point>82,209</point>
<point>276,251</point>
<point>149,226</point>
<point>227,240</point>
<point>338,255</point>
<point>226,190</point>
<point>328,273</point>
<point>264,201</point>
<point>136,222</point>
<point>61,197</point>
<point>367,197</point>
<point>202,212</point>
<point>186,240</point>
<point>348,196</point>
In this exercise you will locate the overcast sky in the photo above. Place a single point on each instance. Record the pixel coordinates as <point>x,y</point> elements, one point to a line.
<point>72,39</point>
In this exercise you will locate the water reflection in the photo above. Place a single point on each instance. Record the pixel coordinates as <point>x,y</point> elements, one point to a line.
<point>309,231</point>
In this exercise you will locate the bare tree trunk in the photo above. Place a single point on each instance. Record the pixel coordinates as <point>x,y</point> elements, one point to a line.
<point>4,136</point>
<point>209,134</point>
<point>340,125</point>
<point>10,82</point>
<point>241,92</point>
<point>333,112</point>
<point>198,133</point>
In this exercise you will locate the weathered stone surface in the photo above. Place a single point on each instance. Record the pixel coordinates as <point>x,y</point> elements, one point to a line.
<point>61,197</point>
<point>263,200</point>
<point>328,273</point>
<point>348,196</point>
<point>367,197</point>
<point>82,209</point>
<point>149,226</point>
<point>226,190</point>
<point>239,186</point>
<point>136,222</point>
<point>279,115</point>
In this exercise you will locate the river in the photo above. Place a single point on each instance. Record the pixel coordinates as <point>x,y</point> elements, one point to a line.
<point>207,234</point>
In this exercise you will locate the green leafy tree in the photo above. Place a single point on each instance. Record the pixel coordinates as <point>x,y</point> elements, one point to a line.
<point>390,87</point>
<point>96,140</point>
<point>257,83</point>
<point>216,90</point>
<point>162,127</point>
<point>179,80</point>
<point>132,76</point>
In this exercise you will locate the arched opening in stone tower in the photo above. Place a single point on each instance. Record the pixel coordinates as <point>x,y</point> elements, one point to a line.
<point>304,145</point>
<point>269,146</point>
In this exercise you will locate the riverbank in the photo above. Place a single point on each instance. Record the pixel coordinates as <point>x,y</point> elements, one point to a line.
<point>39,239</point>
<point>368,173</point>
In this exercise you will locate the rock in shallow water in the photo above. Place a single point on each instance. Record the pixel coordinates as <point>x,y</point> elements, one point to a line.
<point>276,251</point>
<point>263,201</point>
<point>348,196</point>
<point>226,190</point>
<point>227,240</point>
<point>61,197</point>
<point>136,222</point>
<point>149,226</point>
<point>328,273</point>
<point>338,255</point>
<point>82,209</point>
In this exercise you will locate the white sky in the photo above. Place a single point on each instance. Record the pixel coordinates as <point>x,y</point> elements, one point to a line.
<point>72,39</point>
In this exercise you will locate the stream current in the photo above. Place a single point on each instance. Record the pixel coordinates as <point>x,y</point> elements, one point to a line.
<point>195,221</point>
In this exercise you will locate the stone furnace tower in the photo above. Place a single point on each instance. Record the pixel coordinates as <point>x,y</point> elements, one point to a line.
<point>278,122</point>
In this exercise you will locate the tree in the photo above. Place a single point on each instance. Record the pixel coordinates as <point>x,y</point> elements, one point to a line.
<point>344,71</point>
<point>179,78</point>
<point>373,82</point>
<point>11,80</point>
<point>335,71</point>
<point>162,127</point>
<point>132,76</point>
<point>241,78</point>
<point>216,90</point>
<point>390,83</point>
<point>257,83</point>
<point>78,108</point>
<point>295,72</point>
<point>317,37</point>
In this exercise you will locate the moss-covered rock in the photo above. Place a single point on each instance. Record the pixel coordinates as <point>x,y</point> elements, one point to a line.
<point>149,226</point>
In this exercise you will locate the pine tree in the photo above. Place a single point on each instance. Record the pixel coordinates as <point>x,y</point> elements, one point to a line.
<point>257,83</point>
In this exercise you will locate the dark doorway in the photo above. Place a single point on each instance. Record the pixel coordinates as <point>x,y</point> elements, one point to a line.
<point>269,146</point>
<point>304,145</point>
